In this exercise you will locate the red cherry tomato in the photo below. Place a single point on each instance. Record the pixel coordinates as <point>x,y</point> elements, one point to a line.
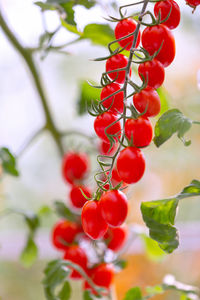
<point>148,100</point>
<point>153,72</point>
<point>114,207</point>
<point>74,166</point>
<point>164,8</point>
<point>103,275</point>
<point>155,36</point>
<point>64,231</point>
<point>124,28</point>
<point>116,102</point>
<point>116,237</point>
<point>105,148</point>
<point>117,61</point>
<point>193,3</point>
<point>102,122</point>
<point>131,164</point>
<point>77,198</point>
<point>139,132</point>
<point>92,221</point>
<point>76,255</point>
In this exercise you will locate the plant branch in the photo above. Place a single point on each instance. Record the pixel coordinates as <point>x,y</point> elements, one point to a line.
<point>28,58</point>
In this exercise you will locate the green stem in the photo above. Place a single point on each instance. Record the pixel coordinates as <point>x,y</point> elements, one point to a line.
<point>28,58</point>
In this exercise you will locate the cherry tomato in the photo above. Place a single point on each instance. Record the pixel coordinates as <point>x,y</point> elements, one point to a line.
<point>64,231</point>
<point>103,275</point>
<point>116,102</point>
<point>77,198</point>
<point>76,255</point>
<point>124,28</point>
<point>102,122</point>
<point>193,3</point>
<point>131,164</point>
<point>105,148</point>
<point>139,132</point>
<point>75,166</point>
<point>153,72</point>
<point>92,221</point>
<point>148,100</point>
<point>116,237</point>
<point>114,207</point>
<point>117,61</point>
<point>156,36</point>
<point>164,8</point>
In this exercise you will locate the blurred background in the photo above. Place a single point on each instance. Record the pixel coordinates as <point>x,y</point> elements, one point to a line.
<point>169,168</point>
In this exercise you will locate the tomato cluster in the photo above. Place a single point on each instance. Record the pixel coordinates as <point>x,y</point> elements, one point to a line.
<point>67,236</point>
<point>101,215</point>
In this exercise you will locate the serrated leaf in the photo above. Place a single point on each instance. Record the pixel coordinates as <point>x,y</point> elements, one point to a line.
<point>29,254</point>
<point>55,274</point>
<point>99,34</point>
<point>64,212</point>
<point>159,217</point>
<point>134,294</point>
<point>8,162</point>
<point>65,292</point>
<point>171,122</point>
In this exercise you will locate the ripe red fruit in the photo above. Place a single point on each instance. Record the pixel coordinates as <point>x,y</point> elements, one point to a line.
<point>148,99</point>
<point>76,255</point>
<point>124,28</point>
<point>74,166</point>
<point>139,131</point>
<point>115,62</point>
<point>103,275</point>
<point>164,7</point>
<point>114,207</point>
<point>92,221</point>
<point>66,231</point>
<point>153,72</point>
<point>116,237</point>
<point>105,149</point>
<point>116,102</point>
<point>131,164</point>
<point>155,36</point>
<point>102,122</point>
<point>77,198</point>
<point>193,3</point>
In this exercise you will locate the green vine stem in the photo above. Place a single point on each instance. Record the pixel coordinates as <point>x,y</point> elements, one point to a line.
<point>124,89</point>
<point>28,58</point>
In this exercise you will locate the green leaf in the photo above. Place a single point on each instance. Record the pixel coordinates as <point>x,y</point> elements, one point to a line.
<point>153,251</point>
<point>32,221</point>
<point>44,210</point>
<point>99,34</point>
<point>134,294</point>
<point>55,274</point>
<point>68,7</point>
<point>29,254</point>
<point>87,295</point>
<point>63,211</point>
<point>164,99</point>
<point>8,162</point>
<point>121,264</point>
<point>171,122</point>
<point>65,292</point>
<point>71,28</point>
<point>159,217</point>
<point>86,3</point>
<point>87,95</point>
<point>45,6</point>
